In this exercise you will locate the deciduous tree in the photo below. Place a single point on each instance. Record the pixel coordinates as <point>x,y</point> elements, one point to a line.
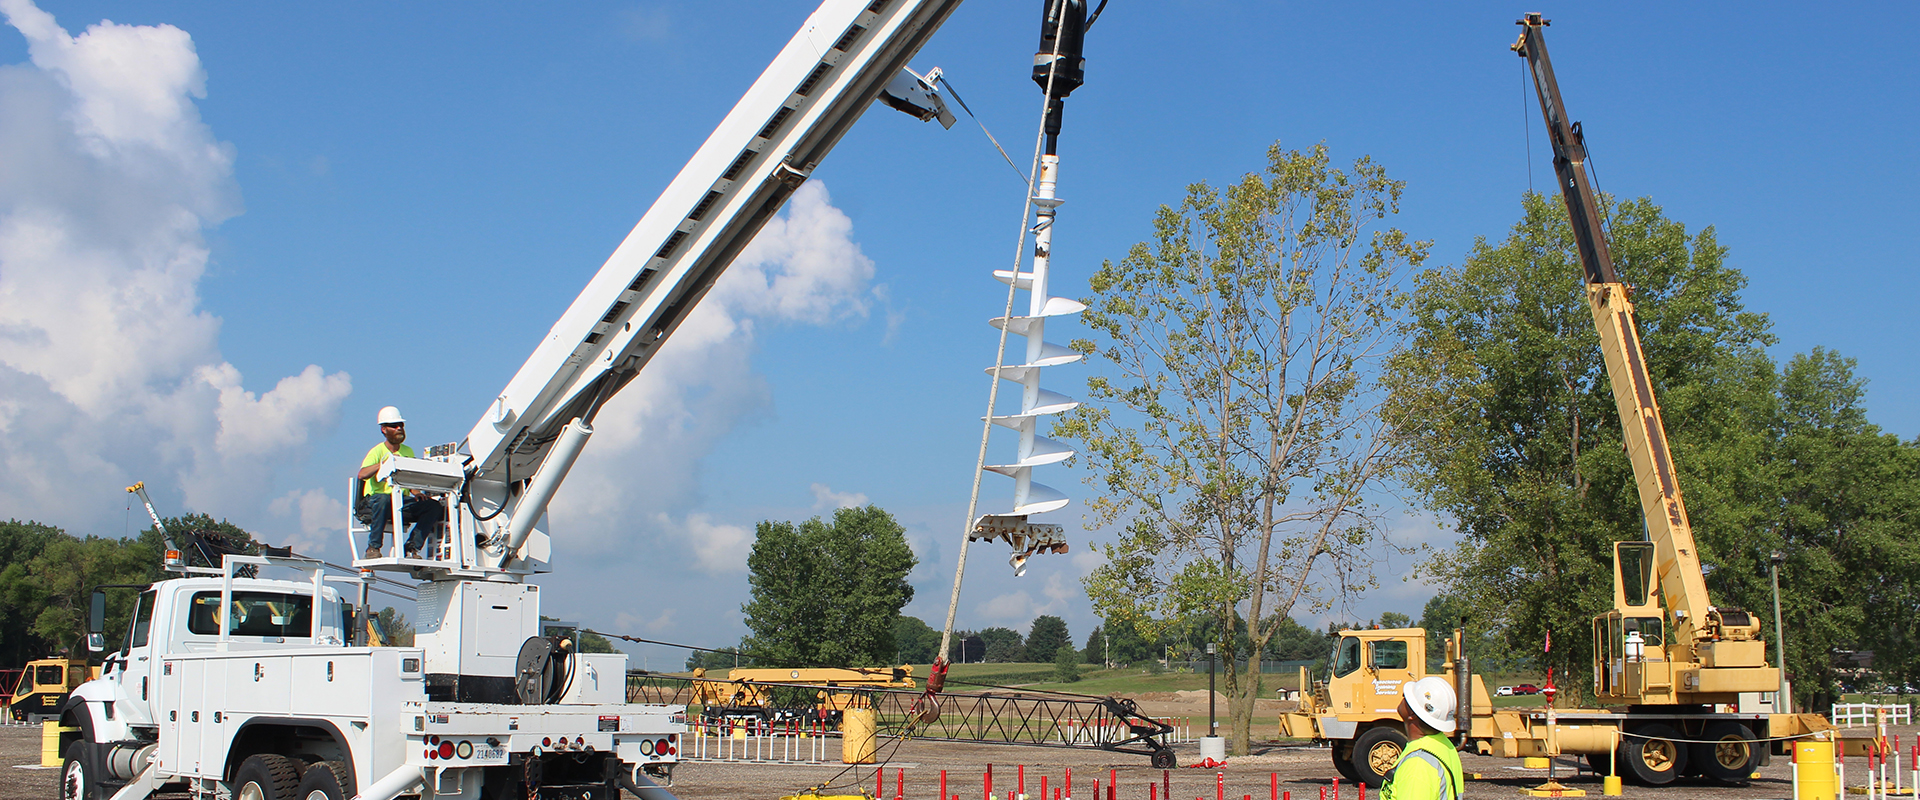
<point>827,593</point>
<point>1231,427</point>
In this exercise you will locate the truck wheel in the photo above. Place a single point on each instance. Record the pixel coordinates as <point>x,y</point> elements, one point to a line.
<point>1343,761</point>
<point>1375,753</point>
<point>326,780</point>
<point>1650,756</point>
<point>1730,756</point>
<point>77,781</point>
<point>267,776</point>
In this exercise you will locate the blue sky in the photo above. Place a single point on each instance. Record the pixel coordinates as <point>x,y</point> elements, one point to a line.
<point>389,204</point>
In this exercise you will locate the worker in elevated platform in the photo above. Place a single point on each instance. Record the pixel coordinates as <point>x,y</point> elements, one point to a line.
<point>1429,767</point>
<point>375,505</point>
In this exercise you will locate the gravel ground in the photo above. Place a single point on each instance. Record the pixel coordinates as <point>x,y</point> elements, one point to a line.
<point>1302,771</point>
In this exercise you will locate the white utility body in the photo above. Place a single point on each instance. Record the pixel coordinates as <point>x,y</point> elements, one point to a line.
<point>281,701</point>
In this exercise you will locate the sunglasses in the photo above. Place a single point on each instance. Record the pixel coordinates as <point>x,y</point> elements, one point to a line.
<point>400,426</point>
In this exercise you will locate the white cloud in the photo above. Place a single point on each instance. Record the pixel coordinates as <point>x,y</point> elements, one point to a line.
<point>321,518</point>
<point>825,497</point>
<point>802,268</point>
<point>109,368</point>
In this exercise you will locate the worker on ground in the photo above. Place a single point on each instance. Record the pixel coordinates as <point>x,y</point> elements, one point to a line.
<point>1429,767</point>
<point>375,505</point>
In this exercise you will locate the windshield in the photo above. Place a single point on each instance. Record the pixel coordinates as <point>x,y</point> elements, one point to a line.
<point>254,614</point>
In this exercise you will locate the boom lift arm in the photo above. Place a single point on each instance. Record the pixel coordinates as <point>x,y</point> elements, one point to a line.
<point>848,53</point>
<point>1695,621</point>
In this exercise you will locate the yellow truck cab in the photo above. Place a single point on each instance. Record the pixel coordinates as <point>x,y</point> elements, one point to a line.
<point>44,686</point>
<point>1353,707</point>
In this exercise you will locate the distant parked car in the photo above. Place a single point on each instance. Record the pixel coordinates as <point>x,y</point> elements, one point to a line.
<point>1526,688</point>
<point>1504,691</point>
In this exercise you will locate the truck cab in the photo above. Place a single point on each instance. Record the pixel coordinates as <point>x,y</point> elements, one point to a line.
<point>44,686</point>
<point>1354,705</point>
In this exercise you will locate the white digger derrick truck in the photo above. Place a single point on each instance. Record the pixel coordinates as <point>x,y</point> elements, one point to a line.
<point>228,685</point>
<point>1666,660</point>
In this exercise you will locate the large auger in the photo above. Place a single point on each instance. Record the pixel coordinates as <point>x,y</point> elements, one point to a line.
<point>1059,69</point>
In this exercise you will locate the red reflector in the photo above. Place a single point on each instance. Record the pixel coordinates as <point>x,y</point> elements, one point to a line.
<point>546,741</point>
<point>446,749</point>
<point>433,740</point>
<point>660,747</point>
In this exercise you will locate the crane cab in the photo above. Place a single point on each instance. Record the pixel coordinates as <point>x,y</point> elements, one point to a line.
<point>44,686</point>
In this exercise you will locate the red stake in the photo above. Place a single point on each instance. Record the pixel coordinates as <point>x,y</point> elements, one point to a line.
<point>1043,787</point>
<point>1336,789</point>
<point>989,780</point>
<point>1113,782</point>
<point>880,782</point>
<point>1166,783</point>
<point>1020,783</point>
<point>1219,786</point>
<point>943,784</point>
<point>1069,783</point>
<point>899,784</point>
<point>1273,779</point>
<point>1153,791</point>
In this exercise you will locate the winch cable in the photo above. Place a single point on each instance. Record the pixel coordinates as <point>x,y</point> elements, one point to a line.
<point>983,128</point>
<point>638,640</point>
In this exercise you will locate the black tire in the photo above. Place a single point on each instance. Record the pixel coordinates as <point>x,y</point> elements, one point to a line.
<point>77,781</point>
<point>1375,753</point>
<point>267,776</point>
<point>1650,757</point>
<point>1163,759</point>
<point>1343,761</point>
<point>1731,755</point>
<point>326,780</point>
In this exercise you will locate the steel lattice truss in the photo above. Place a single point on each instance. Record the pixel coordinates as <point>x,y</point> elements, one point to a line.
<point>1046,720</point>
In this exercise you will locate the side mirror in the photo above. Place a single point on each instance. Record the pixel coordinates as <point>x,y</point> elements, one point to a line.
<point>97,615</point>
<point>96,643</point>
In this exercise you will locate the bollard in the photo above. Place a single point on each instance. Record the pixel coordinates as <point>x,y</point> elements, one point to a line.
<point>1814,774</point>
<point>50,755</point>
<point>857,745</point>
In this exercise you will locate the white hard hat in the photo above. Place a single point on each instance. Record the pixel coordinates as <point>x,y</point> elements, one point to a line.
<point>1432,701</point>
<point>391,416</point>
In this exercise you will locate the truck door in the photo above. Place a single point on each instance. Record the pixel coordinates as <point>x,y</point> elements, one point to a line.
<point>138,680</point>
<point>1390,666</point>
<point>1346,674</point>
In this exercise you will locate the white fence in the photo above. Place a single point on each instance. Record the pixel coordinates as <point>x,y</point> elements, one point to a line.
<point>745,741</point>
<point>1848,715</point>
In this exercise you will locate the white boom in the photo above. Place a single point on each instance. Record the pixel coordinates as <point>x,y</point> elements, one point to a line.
<point>823,80</point>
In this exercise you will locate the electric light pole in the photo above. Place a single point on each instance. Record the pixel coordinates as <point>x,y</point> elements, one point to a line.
<point>1782,701</point>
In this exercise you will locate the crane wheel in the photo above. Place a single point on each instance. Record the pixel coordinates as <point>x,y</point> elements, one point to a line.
<point>1343,761</point>
<point>1163,759</point>
<point>1650,756</point>
<point>1730,755</point>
